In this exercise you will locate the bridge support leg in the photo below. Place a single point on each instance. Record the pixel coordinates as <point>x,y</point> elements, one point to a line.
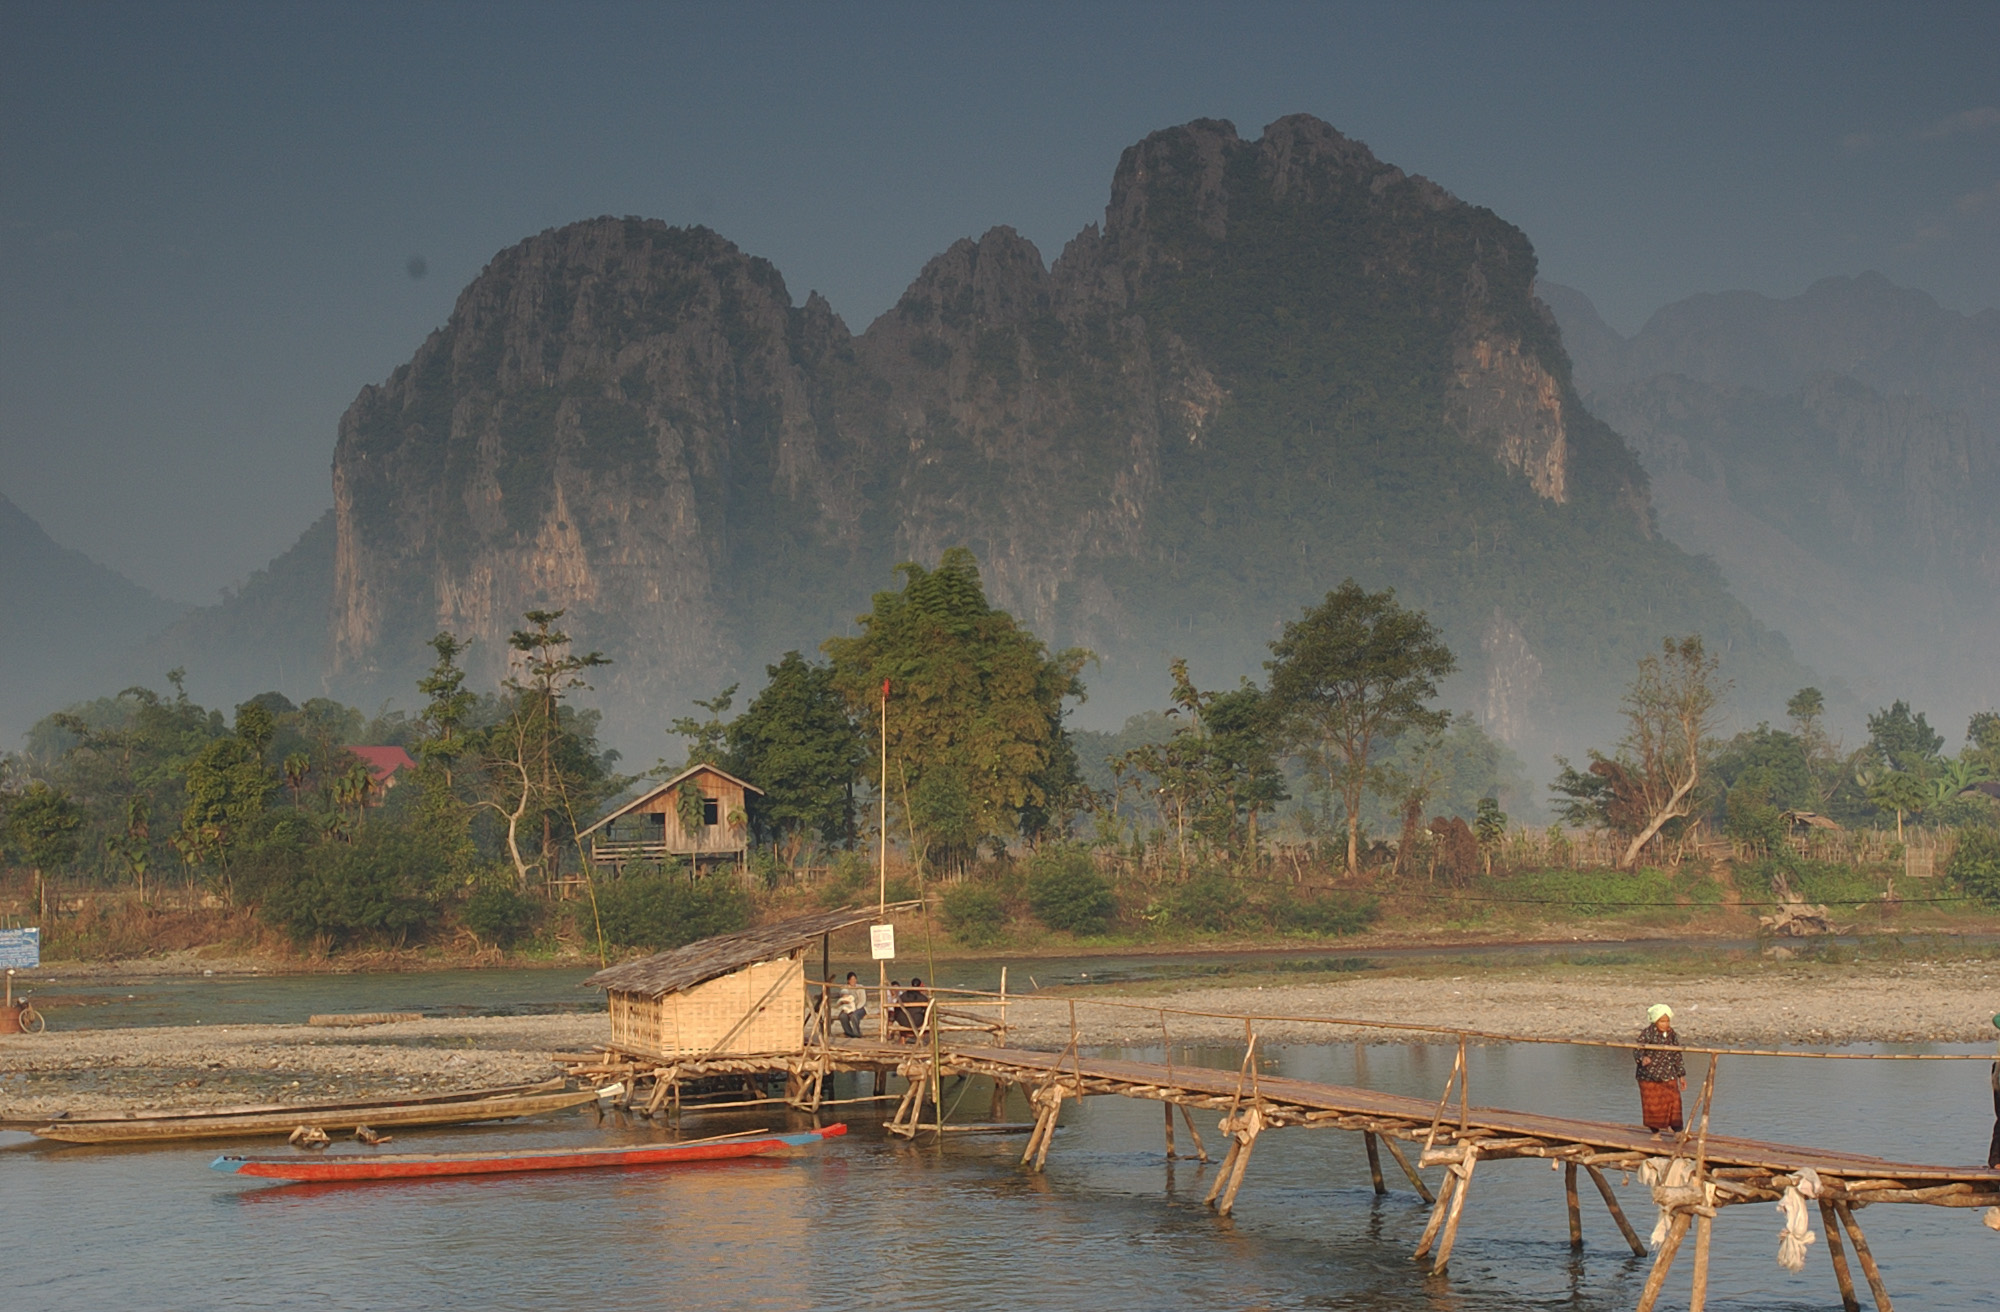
<point>1835,1250</point>
<point>1866,1258</point>
<point>1656,1279</point>
<point>1416,1181</point>
<point>1047,1102</point>
<point>1228,1169</point>
<point>1438,1209</point>
<point>1374,1161</point>
<point>999,1107</point>
<point>1575,1208</point>
<point>1463,1170</point>
<point>1228,1203</point>
<point>1168,1108</point>
<point>1617,1212</point>
<point>1200,1149</point>
<point>1698,1299</point>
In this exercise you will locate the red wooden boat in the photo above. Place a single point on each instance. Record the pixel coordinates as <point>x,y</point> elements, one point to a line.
<point>426,1166</point>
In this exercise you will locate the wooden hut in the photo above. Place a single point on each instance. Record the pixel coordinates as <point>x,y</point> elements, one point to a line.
<point>701,814</point>
<point>735,994</point>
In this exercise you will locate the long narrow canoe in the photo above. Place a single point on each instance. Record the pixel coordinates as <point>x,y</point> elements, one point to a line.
<point>210,1113</point>
<point>427,1166</point>
<point>341,1119</point>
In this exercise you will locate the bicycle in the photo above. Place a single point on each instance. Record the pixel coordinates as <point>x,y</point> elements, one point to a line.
<point>31,1021</point>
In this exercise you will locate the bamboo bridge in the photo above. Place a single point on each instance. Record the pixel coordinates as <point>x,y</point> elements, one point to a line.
<point>1694,1176</point>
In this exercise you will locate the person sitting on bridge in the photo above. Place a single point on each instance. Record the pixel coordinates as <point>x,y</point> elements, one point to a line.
<point>911,1011</point>
<point>1662,1071</point>
<point>852,1008</point>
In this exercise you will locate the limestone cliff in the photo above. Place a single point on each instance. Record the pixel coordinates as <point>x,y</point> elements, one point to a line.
<point>1273,364</point>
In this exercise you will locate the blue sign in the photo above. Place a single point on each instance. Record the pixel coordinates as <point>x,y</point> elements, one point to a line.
<point>20,949</point>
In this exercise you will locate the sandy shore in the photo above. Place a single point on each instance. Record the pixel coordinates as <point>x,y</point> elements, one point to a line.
<point>1779,1005</point>
<point>1776,1006</point>
<point>210,1066</point>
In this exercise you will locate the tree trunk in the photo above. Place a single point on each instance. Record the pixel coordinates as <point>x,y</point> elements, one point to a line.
<point>1668,812</point>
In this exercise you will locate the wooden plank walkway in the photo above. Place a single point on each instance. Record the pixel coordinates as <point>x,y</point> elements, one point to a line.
<point>1704,1173</point>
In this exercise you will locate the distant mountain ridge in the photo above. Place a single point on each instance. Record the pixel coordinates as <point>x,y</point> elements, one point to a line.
<point>1275,363</point>
<point>1838,452</point>
<point>70,620</point>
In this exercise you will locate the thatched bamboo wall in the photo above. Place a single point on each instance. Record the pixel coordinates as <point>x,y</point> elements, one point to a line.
<point>700,1019</point>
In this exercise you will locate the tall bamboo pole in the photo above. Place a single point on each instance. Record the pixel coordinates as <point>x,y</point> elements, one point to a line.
<point>882,872</point>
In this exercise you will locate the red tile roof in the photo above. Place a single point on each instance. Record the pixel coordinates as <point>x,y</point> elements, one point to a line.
<point>383,762</point>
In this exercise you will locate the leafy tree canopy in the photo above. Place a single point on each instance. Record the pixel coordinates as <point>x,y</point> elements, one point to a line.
<point>976,703</point>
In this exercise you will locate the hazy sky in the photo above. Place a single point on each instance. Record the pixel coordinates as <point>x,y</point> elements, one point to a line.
<point>212,219</point>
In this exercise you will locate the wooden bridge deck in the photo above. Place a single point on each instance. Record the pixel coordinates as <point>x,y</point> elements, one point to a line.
<point>1715,1171</point>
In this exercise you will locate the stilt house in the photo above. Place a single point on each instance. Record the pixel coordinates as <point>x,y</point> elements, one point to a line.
<point>733,994</point>
<point>701,814</point>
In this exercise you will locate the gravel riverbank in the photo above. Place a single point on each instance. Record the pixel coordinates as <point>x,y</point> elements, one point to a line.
<point>1782,1005</point>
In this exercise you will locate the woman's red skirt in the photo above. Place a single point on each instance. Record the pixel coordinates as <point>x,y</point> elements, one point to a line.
<point>1660,1104</point>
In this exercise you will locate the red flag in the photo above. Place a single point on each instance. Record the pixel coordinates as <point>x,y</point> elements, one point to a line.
<point>885,690</point>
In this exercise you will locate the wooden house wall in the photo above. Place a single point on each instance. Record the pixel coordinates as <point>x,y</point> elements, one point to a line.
<point>711,840</point>
<point>695,1020</point>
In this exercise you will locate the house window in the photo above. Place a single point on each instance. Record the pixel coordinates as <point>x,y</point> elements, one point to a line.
<point>711,811</point>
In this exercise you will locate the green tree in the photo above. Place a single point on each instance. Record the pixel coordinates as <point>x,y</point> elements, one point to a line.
<point>227,786</point>
<point>977,703</point>
<point>441,745</point>
<point>1352,672</point>
<point>1902,740</point>
<point>708,740</point>
<point>41,832</point>
<point>549,670</point>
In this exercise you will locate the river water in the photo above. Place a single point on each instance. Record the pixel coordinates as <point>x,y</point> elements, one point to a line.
<point>872,1222</point>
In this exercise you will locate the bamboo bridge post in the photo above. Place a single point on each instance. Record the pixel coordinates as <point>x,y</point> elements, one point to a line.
<point>1834,1250</point>
<point>1168,1108</point>
<point>1463,1170</point>
<point>1698,1298</point>
<point>1187,1119</point>
<point>1374,1162</point>
<point>1575,1207</point>
<point>1416,1181</point>
<point>1656,1279</point>
<point>1617,1212</point>
<point>1446,1190</point>
<point>1866,1258</point>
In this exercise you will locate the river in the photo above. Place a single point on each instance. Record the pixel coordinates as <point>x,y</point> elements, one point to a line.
<point>872,1222</point>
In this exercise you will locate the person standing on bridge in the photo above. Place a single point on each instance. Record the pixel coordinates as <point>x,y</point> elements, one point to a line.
<point>1993,1149</point>
<point>1661,1069</point>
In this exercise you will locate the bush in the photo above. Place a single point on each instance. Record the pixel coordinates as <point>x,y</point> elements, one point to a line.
<point>1210,901</point>
<point>974,913</point>
<point>375,887</point>
<point>668,909</point>
<point>1975,866</point>
<point>1328,916</point>
<point>1066,892</point>
<point>499,913</point>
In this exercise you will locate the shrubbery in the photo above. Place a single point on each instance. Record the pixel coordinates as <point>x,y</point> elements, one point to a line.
<point>1209,900</point>
<point>975,913</point>
<point>1327,916</point>
<point>377,886</point>
<point>1066,892</point>
<point>668,909</point>
<point>500,914</point>
<point>1975,866</point>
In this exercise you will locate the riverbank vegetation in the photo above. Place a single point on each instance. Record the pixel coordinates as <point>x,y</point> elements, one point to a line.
<point>1334,798</point>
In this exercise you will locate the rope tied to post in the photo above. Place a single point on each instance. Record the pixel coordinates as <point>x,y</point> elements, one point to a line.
<point>1796,1234</point>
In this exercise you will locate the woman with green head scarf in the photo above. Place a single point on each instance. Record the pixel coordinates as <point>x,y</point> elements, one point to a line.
<point>1661,1070</point>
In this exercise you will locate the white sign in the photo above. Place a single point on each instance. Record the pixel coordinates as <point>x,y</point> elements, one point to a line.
<point>21,949</point>
<point>882,942</point>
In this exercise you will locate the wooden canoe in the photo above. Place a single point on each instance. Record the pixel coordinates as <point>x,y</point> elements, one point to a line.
<point>354,1166</point>
<point>331,1118</point>
<point>210,1113</point>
